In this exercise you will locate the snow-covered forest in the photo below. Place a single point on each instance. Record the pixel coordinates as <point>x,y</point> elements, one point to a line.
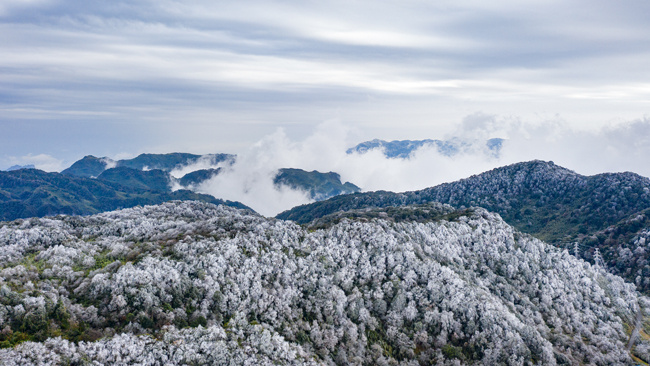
<point>193,283</point>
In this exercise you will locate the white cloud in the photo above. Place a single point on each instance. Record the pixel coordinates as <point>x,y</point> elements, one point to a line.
<point>204,162</point>
<point>41,161</point>
<point>612,149</point>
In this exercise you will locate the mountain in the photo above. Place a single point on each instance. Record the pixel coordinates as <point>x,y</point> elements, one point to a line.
<point>135,173</point>
<point>194,283</point>
<point>319,185</point>
<point>169,162</point>
<point>624,246</point>
<point>405,148</point>
<point>156,180</point>
<point>198,176</point>
<point>90,166</point>
<point>31,192</point>
<point>18,167</point>
<point>537,197</point>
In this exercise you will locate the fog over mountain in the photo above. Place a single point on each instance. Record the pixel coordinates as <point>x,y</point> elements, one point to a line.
<point>612,149</point>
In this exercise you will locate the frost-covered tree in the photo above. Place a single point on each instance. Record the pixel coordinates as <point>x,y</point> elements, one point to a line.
<point>194,283</point>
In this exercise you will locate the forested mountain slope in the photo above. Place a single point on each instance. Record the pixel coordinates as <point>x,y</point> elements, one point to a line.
<point>318,185</point>
<point>31,192</point>
<point>625,247</point>
<point>198,176</point>
<point>193,283</point>
<point>537,197</point>
<point>91,167</point>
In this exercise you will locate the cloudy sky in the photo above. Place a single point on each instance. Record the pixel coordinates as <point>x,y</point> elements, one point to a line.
<point>117,78</point>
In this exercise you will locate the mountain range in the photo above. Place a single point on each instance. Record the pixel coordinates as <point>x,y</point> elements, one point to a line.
<point>151,171</point>
<point>319,185</point>
<point>90,166</point>
<point>35,193</point>
<point>93,185</point>
<point>404,149</point>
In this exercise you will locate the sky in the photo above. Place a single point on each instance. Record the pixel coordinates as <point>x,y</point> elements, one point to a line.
<point>119,78</point>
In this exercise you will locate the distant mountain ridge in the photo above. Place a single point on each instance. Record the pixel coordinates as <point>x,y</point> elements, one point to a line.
<point>404,149</point>
<point>151,171</point>
<point>198,176</point>
<point>319,185</point>
<point>18,167</point>
<point>90,166</point>
<point>93,185</point>
<point>35,193</point>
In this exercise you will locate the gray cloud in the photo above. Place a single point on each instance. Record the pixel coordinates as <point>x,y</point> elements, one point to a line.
<point>206,76</point>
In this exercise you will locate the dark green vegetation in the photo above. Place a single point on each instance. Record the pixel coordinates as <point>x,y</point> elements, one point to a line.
<point>198,176</point>
<point>319,185</point>
<point>88,167</point>
<point>91,166</point>
<point>624,247</point>
<point>39,326</point>
<point>540,198</point>
<point>155,180</point>
<point>31,192</point>
<point>168,162</point>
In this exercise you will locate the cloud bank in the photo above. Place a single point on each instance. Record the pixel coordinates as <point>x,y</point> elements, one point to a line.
<point>623,147</point>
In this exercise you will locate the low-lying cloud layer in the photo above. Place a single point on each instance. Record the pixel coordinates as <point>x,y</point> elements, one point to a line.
<point>624,147</point>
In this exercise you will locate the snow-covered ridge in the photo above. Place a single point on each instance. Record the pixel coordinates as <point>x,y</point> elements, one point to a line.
<point>218,285</point>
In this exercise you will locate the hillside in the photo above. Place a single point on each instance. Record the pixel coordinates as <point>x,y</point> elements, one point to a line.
<point>18,167</point>
<point>197,177</point>
<point>193,283</point>
<point>35,193</point>
<point>155,180</point>
<point>168,162</point>
<point>537,197</point>
<point>91,166</point>
<point>625,247</point>
<point>88,167</point>
<point>318,185</point>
